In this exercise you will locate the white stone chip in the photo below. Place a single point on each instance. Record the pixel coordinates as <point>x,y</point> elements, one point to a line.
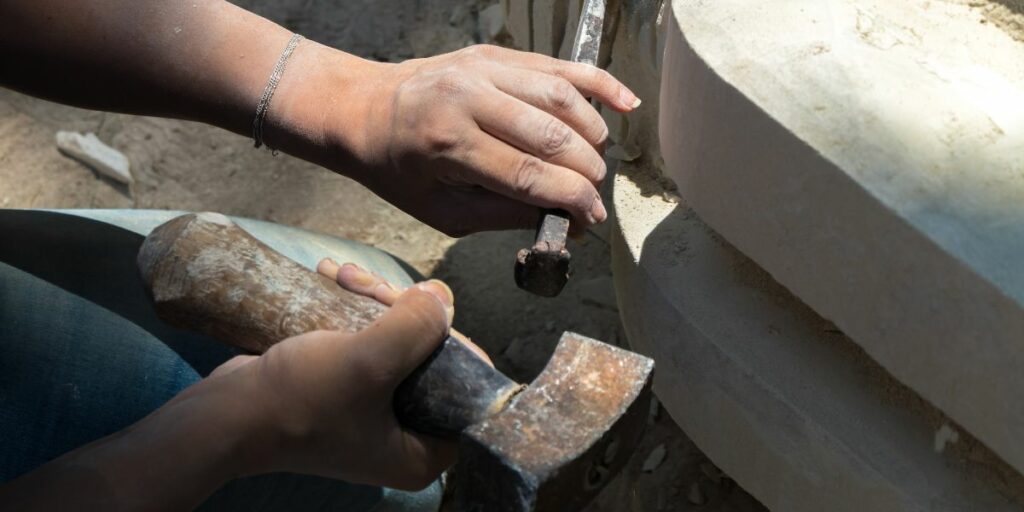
<point>91,151</point>
<point>945,435</point>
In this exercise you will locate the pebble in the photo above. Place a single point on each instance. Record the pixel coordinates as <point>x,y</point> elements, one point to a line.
<point>654,459</point>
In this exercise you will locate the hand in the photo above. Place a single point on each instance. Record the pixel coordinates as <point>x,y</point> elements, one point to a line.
<point>472,140</point>
<point>325,398</point>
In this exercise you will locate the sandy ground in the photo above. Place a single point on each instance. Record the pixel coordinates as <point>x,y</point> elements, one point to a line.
<point>180,165</point>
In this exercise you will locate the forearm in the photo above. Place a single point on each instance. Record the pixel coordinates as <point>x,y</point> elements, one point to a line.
<point>204,60</point>
<point>171,460</point>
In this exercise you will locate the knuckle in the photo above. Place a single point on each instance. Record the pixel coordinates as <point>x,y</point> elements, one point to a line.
<point>581,197</point>
<point>442,139</point>
<point>556,138</point>
<point>599,76</point>
<point>450,83</point>
<point>526,174</point>
<point>478,52</point>
<point>562,95</point>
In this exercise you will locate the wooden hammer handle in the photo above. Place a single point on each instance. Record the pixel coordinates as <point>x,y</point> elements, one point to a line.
<point>206,274</point>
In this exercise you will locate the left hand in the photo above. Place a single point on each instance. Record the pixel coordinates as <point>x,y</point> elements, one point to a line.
<point>473,140</point>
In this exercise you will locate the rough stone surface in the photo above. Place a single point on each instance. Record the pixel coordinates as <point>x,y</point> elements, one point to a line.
<point>869,154</point>
<point>774,394</point>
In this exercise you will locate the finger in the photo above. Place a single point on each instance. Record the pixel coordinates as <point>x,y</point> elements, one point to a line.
<point>351,277</point>
<point>421,458</point>
<point>407,333</point>
<point>472,346</point>
<point>357,280</point>
<point>232,364</point>
<point>328,268</point>
<point>496,166</point>
<point>592,81</point>
<point>541,134</point>
<point>558,97</point>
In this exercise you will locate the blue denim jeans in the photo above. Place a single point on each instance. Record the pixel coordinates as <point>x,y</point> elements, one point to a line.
<point>83,355</point>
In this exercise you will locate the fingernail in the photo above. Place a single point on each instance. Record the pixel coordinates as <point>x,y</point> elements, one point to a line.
<point>327,265</point>
<point>442,292</point>
<point>357,275</point>
<point>629,99</point>
<point>383,288</point>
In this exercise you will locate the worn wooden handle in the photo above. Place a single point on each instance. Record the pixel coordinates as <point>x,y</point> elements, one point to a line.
<point>207,274</point>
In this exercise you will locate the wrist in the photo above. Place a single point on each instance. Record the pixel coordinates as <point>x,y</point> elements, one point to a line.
<point>321,107</point>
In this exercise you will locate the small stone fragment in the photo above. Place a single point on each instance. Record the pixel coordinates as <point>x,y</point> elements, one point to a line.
<point>945,435</point>
<point>91,151</point>
<point>654,459</point>
<point>696,495</point>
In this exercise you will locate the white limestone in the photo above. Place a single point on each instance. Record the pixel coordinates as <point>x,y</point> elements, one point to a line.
<point>869,154</point>
<point>91,151</point>
<point>772,393</point>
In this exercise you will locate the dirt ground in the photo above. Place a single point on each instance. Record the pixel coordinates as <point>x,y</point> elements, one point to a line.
<point>181,165</point>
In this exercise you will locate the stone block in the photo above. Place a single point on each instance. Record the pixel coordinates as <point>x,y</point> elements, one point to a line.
<point>774,394</point>
<point>869,155</point>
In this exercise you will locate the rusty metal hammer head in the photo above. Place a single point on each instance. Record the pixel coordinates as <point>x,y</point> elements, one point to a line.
<point>562,438</point>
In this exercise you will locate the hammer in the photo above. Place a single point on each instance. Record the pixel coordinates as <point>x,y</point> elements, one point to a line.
<point>550,446</point>
<point>544,268</point>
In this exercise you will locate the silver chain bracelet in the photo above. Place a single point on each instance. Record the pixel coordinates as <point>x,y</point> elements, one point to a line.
<point>275,78</point>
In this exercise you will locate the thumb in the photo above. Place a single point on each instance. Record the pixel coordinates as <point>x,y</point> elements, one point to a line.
<point>412,328</point>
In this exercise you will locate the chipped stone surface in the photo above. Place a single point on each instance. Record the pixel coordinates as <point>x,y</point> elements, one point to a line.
<point>868,155</point>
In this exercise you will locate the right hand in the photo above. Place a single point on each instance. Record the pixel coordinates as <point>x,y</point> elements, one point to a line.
<point>323,400</point>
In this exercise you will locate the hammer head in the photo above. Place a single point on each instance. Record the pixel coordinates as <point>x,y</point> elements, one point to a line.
<point>563,437</point>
